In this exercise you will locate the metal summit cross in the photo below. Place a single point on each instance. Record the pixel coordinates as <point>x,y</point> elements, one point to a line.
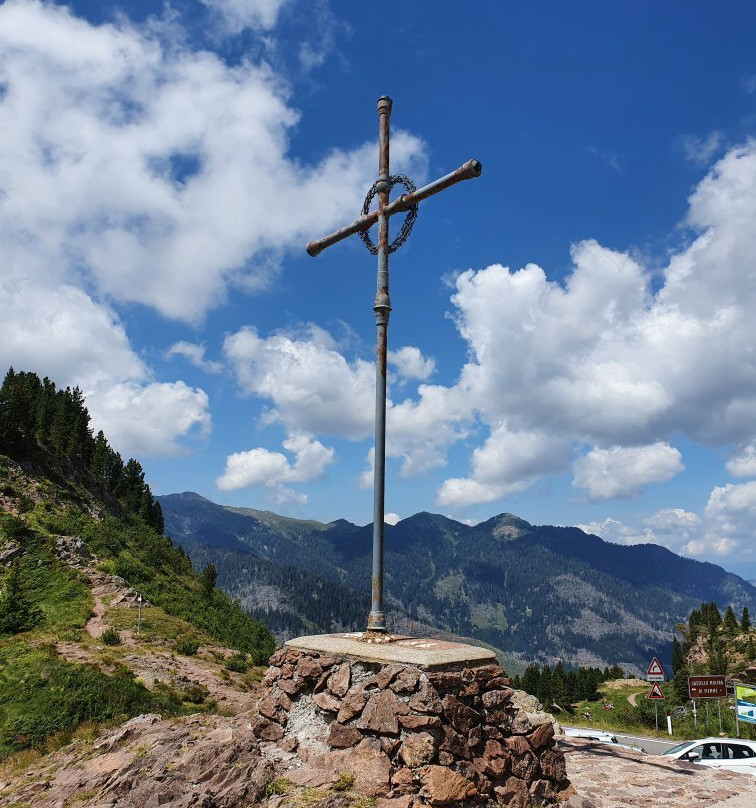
<point>382,307</point>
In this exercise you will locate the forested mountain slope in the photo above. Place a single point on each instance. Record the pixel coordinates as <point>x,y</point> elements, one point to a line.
<point>542,593</point>
<point>80,534</point>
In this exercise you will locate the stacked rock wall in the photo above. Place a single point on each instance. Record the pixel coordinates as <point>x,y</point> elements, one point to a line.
<point>435,736</point>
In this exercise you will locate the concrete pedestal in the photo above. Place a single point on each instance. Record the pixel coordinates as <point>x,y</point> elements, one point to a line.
<point>423,653</point>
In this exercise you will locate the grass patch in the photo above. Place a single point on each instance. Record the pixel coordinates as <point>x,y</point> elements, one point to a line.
<point>313,797</point>
<point>44,698</point>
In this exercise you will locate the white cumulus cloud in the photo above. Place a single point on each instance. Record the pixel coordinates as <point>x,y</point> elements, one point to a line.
<point>622,471</point>
<point>409,363</point>
<point>195,354</point>
<point>313,388</point>
<point>262,467</point>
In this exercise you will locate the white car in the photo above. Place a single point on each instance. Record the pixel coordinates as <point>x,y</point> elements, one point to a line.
<point>589,734</point>
<point>598,736</point>
<point>734,754</point>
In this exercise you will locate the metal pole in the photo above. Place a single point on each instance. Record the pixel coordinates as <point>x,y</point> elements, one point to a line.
<point>706,705</point>
<point>719,713</point>
<point>382,309</point>
<point>656,716</point>
<point>695,716</point>
<point>139,614</point>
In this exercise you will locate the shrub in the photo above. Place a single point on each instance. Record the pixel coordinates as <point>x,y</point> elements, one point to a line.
<point>187,646</point>
<point>344,782</point>
<point>110,637</point>
<point>278,786</point>
<point>237,663</point>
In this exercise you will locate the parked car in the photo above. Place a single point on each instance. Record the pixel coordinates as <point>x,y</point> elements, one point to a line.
<point>590,734</point>
<point>598,736</point>
<point>734,754</point>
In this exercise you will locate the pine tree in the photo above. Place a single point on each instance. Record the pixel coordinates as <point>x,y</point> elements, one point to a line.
<point>680,684</point>
<point>745,620</point>
<point>713,617</point>
<point>17,612</point>
<point>209,577</point>
<point>546,687</point>
<point>531,679</point>
<point>730,623</point>
<point>678,657</point>
<point>559,686</point>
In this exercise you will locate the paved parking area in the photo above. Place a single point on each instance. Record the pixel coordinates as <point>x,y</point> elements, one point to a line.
<point>618,778</point>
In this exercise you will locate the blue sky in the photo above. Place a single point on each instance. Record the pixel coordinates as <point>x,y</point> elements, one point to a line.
<point>571,338</point>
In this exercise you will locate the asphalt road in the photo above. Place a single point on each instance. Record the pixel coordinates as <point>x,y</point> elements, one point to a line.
<point>653,746</point>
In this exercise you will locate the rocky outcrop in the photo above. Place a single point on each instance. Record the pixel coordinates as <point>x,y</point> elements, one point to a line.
<point>198,761</point>
<point>439,736</point>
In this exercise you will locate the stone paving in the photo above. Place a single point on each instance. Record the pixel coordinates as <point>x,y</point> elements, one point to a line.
<point>613,778</point>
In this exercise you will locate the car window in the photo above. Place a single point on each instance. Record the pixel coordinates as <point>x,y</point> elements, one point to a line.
<point>706,751</point>
<point>677,749</point>
<point>737,751</point>
<point>711,751</point>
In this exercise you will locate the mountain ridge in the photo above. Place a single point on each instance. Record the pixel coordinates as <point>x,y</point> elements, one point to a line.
<point>540,593</point>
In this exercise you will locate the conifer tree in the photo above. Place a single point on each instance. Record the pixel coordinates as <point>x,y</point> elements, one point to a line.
<point>559,685</point>
<point>209,577</point>
<point>714,617</point>
<point>531,679</point>
<point>730,623</point>
<point>745,620</point>
<point>17,612</point>
<point>546,687</point>
<point>678,657</point>
<point>680,684</point>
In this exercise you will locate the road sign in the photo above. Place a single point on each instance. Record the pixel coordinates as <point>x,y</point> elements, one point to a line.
<point>655,692</point>
<point>746,704</point>
<point>655,672</point>
<point>707,687</point>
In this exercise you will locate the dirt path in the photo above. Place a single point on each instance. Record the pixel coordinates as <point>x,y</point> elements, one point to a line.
<point>154,661</point>
<point>152,665</point>
<point>96,625</point>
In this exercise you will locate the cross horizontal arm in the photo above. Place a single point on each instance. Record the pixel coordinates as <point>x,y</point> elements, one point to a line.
<point>466,171</point>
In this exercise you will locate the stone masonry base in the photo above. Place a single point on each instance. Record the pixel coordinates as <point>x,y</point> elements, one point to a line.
<point>414,736</point>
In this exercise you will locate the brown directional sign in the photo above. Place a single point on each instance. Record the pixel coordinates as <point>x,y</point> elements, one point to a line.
<point>707,687</point>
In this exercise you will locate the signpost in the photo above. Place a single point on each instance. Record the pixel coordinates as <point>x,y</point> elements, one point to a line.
<point>713,686</point>
<point>655,693</point>
<point>655,674</point>
<point>707,687</point>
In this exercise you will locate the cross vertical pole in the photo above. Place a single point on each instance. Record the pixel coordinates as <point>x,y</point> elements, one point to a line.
<point>382,309</point>
<point>406,203</point>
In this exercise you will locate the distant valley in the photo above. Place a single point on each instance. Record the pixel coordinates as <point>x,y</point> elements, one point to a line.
<point>537,593</point>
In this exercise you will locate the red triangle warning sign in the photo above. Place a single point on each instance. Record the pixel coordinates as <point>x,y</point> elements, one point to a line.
<point>655,672</point>
<point>655,692</point>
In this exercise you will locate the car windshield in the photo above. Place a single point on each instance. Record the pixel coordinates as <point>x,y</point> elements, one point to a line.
<point>681,747</point>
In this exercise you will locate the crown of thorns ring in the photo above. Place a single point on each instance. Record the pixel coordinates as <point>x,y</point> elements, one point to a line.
<point>409,219</point>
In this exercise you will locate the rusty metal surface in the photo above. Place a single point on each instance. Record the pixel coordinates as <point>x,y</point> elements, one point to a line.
<point>407,203</point>
<point>467,171</point>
